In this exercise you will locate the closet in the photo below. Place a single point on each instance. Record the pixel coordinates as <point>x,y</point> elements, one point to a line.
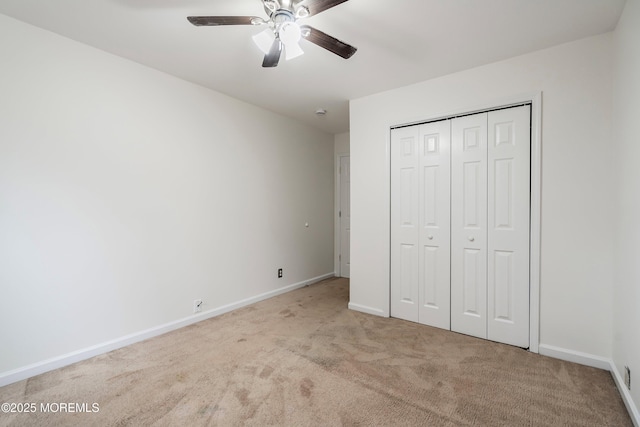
<point>460,221</point>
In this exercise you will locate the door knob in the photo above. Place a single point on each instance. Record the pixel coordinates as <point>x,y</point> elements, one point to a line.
<point>430,237</point>
<point>471,238</point>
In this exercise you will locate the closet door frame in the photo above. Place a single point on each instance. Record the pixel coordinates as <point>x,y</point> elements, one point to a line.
<point>535,100</point>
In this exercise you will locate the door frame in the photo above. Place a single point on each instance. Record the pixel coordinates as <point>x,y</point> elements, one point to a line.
<point>535,99</point>
<point>337,266</point>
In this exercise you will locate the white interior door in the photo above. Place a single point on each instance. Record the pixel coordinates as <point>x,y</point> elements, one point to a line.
<point>469,225</point>
<point>405,236</point>
<point>420,218</point>
<point>508,225</point>
<point>434,185</point>
<point>345,216</point>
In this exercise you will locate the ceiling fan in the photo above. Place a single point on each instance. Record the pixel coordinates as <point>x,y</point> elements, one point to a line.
<point>283,30</point>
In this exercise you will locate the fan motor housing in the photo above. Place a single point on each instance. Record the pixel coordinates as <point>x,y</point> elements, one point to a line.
<point>281,16</point>
<point>272,7</point>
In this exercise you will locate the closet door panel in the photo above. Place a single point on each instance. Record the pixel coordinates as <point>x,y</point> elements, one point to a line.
<point>405,223</point>
<point>469,225</point>
<point>508,225</point>
<point>434,236</point>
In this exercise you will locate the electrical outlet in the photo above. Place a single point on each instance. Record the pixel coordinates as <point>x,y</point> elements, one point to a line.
<point>197,306</point>
<point>627,377</point>
<point>279,273</point>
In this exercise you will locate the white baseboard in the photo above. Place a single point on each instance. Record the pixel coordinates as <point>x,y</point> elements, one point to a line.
<point>38,368</point>
<point>596,362</point>
<point>626,395</point>
<point>368,310</point>
<point>575,356</point>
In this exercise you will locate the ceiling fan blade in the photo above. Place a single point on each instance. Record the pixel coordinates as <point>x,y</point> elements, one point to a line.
<point>272,58</point>
<point>317,6</point>
<point>223,20</point>
<point>324,40</point>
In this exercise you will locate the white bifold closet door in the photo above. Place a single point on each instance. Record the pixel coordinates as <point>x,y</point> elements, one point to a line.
<point>420,224</point>
<point>460,224</point>
<point>469,225</point>
<point>509,219</point>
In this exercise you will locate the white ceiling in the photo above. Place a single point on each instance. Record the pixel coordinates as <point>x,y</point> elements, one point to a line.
<point>399,42</point>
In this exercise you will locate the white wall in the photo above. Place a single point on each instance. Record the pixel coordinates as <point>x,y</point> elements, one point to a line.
<point>341,144</point>
<point>126,193</point>
<point>340,148</point>
<point>626,141</point>
<point>576,240</point>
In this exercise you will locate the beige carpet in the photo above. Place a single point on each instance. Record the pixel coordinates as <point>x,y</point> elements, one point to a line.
<point>304,359</point>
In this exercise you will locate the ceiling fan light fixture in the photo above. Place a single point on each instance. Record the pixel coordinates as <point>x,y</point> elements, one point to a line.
<point>293,51</point>
<point>290,34</point>
<point>264,40</point>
